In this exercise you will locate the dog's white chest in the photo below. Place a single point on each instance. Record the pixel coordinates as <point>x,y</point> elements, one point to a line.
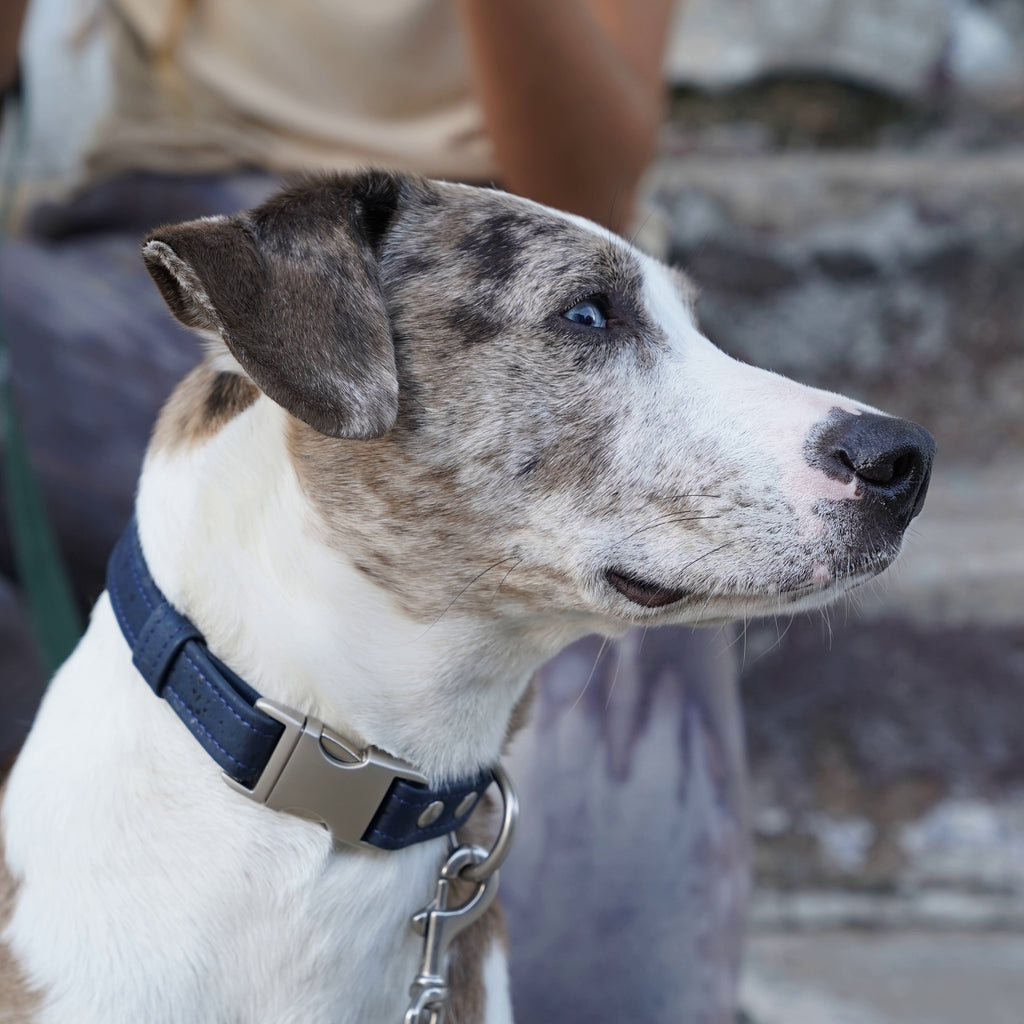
<point>235,912</point>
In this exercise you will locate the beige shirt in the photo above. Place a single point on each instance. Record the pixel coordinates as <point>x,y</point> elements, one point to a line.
<point>289,85</point>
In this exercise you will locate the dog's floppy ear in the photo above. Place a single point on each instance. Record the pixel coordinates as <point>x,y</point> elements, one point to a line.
<point>293,289</point>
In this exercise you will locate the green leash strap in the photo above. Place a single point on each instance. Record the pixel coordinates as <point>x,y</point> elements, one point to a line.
<point>37,560</point>
<point>44,580</point>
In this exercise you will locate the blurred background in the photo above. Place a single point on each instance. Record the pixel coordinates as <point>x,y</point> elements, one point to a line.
<point>845,182</point>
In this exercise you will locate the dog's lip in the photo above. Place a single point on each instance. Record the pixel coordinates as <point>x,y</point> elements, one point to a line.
<point>651,594</point>
<point>645,593</point>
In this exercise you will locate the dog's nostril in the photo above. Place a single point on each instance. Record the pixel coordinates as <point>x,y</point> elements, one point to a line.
<point>904,465</point>
<point>882,468</point>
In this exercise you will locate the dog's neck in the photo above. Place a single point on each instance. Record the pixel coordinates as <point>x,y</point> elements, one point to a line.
<point>249,564</point>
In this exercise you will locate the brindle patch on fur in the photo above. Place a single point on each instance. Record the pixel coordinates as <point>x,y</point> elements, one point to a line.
<point>18,1002</point>
<point>204,402</point>
<point>528,465</point>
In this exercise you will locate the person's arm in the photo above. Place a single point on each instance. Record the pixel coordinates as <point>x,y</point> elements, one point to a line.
<point>572,93</point>
<point>12,14</point>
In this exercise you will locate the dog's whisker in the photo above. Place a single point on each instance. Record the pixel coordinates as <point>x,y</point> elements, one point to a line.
<point>681,497</point>
<point>597,661</point>
<point>739,638</point>
<point>707,554</point>
<point>475,579</point>
<point>615,679</point>
<point>668,516</point>
<point>640,227</point>
<point>643,637</point>
<point>671,521</point>
<point>826,619</point>
<point>616,192</point>
<point>785,632</point>
<point>780,635</point>
<point>514,566</point>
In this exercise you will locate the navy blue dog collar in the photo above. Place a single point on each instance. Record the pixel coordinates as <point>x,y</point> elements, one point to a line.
<point>270,753</point>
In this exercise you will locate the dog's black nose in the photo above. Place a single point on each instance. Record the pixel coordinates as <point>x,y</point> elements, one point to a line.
<point>891,458</point>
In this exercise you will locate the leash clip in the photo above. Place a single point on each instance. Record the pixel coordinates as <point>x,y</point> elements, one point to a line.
<point>440,924</point>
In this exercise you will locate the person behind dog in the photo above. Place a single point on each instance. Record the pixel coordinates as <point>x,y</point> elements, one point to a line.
<point>625,897</point>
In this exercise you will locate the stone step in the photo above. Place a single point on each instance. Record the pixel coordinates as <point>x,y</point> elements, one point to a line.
<point>867,978</point>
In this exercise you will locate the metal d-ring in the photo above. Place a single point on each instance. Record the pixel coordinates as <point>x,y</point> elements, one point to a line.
<point>482,870</point>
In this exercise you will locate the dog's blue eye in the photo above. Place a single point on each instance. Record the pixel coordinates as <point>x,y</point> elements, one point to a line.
<point>587,314</point>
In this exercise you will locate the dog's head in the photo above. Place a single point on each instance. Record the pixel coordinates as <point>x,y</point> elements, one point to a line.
<point>498,407</point>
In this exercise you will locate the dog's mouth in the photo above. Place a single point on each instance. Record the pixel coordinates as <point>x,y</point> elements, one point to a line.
<point>643,592</point>
<point>816,589</point>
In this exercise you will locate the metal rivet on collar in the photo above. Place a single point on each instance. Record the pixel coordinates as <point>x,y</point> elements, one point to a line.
<point>466,803</point>
<point>430,814</point>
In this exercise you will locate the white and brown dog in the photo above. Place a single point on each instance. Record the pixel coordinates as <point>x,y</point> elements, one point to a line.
<point>441,433</point>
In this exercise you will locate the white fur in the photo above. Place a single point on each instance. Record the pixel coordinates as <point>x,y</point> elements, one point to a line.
<point>234,911</point>
<point>499,1001</point>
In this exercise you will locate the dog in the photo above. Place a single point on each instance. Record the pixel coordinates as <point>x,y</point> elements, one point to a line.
<point>440,433</point>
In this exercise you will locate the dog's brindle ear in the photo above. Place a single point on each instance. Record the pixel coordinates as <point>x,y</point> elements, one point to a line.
<point>293,289</point>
